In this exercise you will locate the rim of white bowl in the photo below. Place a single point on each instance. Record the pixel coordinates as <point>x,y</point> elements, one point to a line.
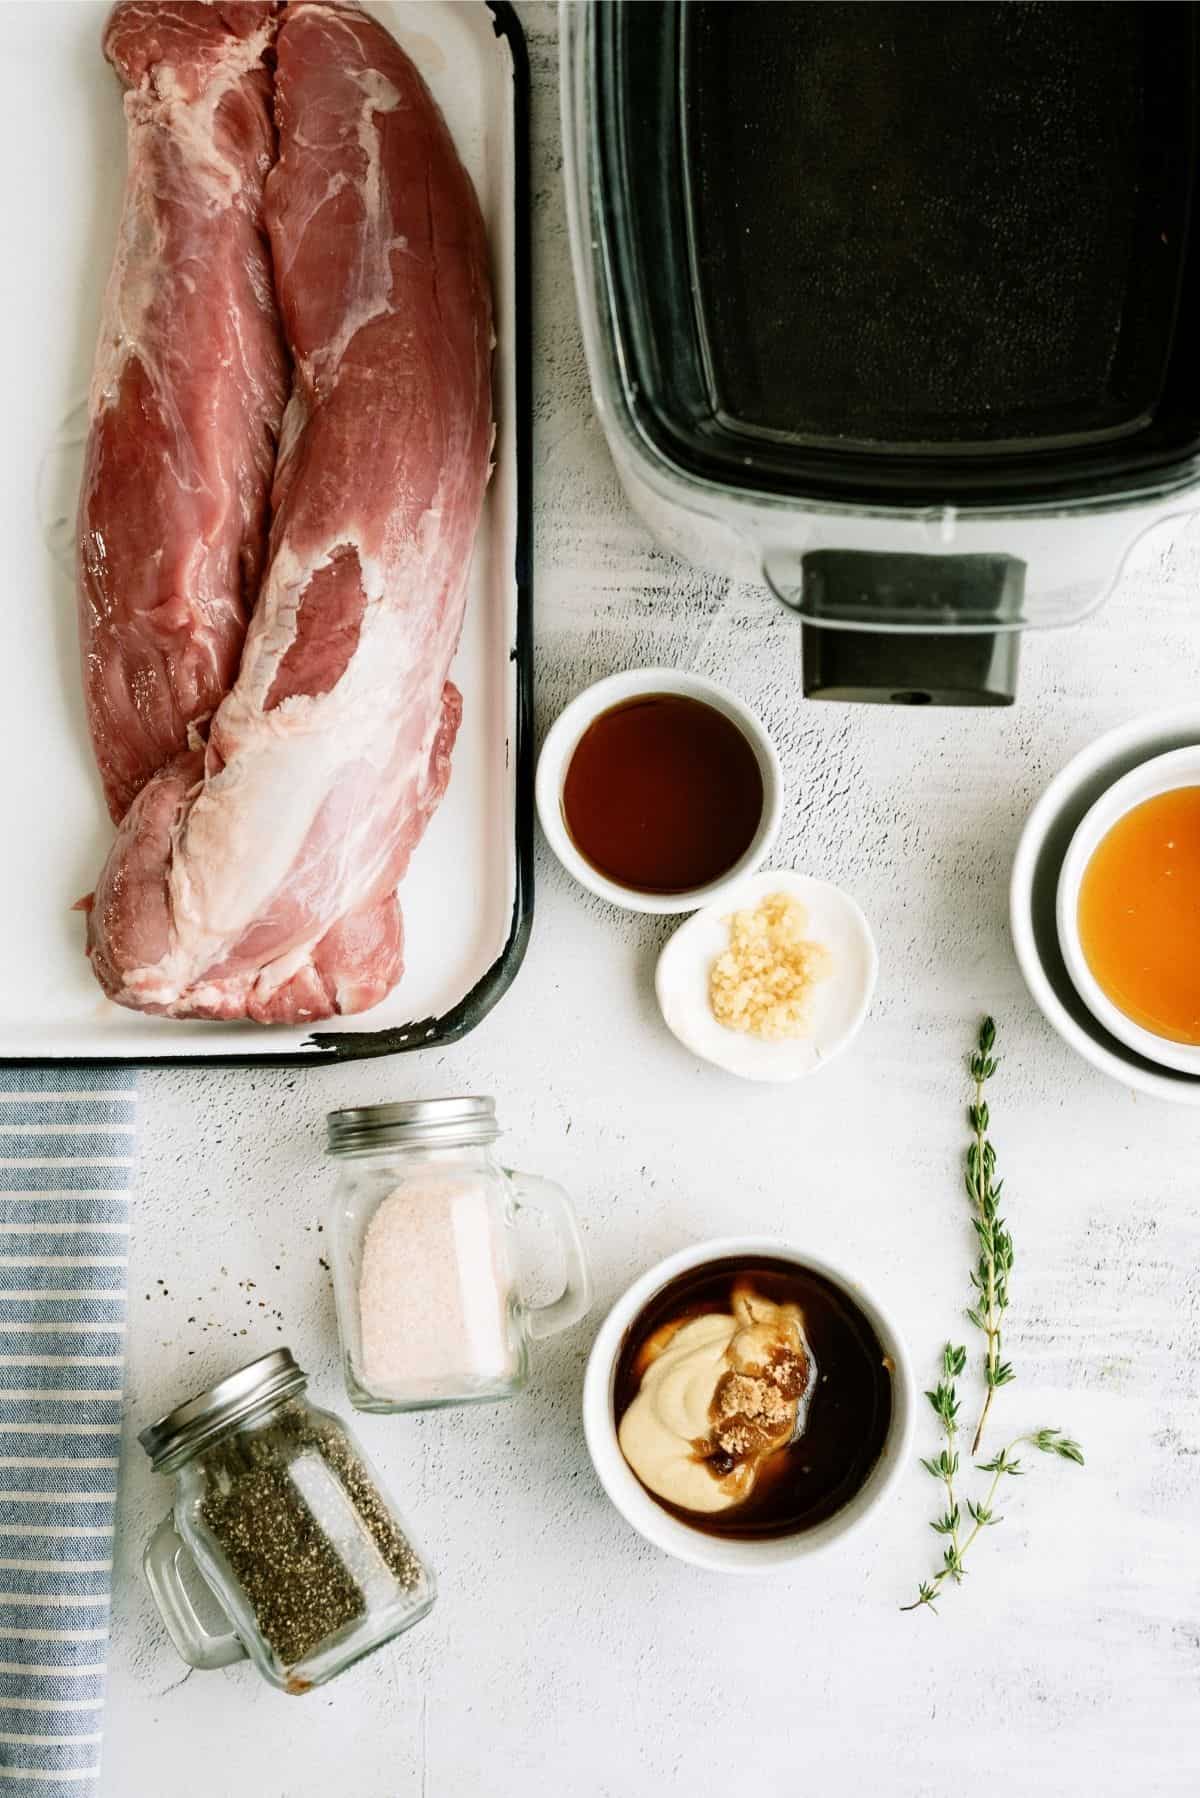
<point>643,1513</point>
<point>560,744</point>
<point>1175,1089</point>
<point>1149,780</point>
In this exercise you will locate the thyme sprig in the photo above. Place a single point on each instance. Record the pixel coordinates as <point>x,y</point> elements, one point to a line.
<point>944,1467</point>
<point>989,1277</point>
<point>1004,1465</point>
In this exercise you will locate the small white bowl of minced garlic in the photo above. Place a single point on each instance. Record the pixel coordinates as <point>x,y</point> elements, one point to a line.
<point>772,980</point>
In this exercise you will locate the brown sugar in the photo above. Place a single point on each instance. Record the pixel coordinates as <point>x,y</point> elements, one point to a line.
<point>754,1409</point>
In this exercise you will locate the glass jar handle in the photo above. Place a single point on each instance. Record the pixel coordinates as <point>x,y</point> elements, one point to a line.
<point>547,1200</point>
<point>196,1645</point>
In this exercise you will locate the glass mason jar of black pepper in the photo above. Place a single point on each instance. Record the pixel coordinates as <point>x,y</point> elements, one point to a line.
<point>288,1526</point>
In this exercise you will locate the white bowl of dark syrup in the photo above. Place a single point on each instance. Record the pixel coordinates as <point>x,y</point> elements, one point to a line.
<point>692,1540</point>
<point>614,694</point>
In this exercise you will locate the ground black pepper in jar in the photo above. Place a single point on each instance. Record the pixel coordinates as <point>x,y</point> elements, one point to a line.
<point>288,1525</point>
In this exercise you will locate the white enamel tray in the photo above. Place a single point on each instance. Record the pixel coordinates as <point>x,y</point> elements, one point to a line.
<point>468,895</point>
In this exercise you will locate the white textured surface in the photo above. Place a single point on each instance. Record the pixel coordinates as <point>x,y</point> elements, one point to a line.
<point>563,1654</point>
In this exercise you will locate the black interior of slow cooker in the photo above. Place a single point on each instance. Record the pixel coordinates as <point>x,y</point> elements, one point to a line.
<point>909,253</point>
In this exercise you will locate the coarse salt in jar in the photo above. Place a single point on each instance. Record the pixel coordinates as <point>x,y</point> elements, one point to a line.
<point>426,1245</point>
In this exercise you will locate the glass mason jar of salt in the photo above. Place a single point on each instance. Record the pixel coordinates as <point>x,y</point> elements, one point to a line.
<point>289,1528</point>
<point>429,1249</point>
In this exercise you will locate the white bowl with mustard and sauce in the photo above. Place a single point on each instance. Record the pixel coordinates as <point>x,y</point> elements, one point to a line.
<point>857,1401</point>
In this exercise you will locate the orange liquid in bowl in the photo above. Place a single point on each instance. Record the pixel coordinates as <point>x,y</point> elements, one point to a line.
<point>1139,915</point>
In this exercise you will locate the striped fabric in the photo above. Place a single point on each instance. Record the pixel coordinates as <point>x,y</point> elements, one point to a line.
<point>66,1166</point>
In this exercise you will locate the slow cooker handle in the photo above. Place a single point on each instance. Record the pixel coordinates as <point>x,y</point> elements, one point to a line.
<point>886,627</point>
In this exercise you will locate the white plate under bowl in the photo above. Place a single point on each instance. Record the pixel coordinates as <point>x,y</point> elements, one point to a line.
<point>1033,896</point>
<point>62,140</point>
<point>839,1004</point>
<point>1162,774</point>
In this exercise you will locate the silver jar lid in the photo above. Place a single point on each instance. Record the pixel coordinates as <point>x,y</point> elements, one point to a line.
<point>413,1123</point>
<point>176,1437</point>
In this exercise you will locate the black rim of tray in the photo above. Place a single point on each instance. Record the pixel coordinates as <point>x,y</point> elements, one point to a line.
<point>325,1048</point>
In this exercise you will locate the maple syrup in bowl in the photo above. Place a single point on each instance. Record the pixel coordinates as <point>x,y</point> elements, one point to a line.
<point>658,789</point>
<point>1129,910</point>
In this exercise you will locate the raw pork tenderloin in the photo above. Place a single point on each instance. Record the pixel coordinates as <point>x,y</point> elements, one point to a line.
<point>188,389</point>
<point>256,875</point>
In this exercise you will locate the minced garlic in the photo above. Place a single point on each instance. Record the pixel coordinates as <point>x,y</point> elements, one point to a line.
<point>762,984</point>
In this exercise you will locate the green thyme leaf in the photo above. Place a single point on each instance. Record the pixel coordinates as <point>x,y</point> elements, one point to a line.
<point>989,1279</point>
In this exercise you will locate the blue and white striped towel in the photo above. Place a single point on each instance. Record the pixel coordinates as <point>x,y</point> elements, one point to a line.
<point>66,1166</point>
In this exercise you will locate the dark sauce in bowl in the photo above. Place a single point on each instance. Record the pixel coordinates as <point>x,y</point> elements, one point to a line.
<point>849,1414</point>
<point>663,794</point>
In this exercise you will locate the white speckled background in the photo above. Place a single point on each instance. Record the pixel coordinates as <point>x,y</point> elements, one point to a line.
<point>563,1654</point>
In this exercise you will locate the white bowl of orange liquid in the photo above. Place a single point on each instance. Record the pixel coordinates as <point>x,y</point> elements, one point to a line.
<point>1128,910</point>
